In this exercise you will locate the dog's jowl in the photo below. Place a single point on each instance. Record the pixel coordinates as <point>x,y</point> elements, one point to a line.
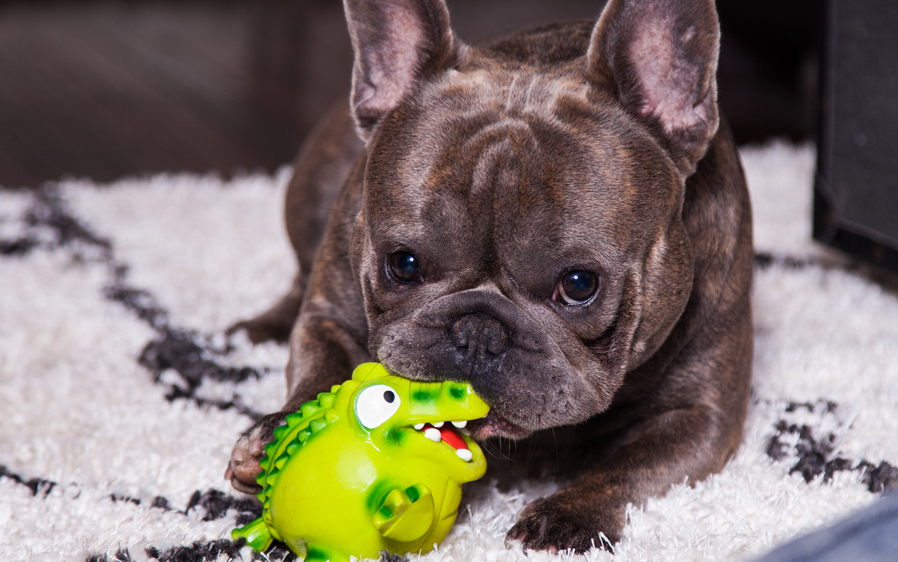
<point>559,217</point>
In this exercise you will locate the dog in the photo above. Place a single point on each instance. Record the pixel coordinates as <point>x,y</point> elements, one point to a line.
<point>558,217</point>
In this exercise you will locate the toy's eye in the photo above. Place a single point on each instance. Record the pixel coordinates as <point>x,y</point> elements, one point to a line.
<point>376,404</point>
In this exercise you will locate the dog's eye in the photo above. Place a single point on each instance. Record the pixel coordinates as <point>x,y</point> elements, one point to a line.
<point>376,404</point>
<point>404,267</point>
<point>577,287</point>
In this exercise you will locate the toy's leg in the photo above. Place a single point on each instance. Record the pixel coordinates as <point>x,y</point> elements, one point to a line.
<point>405,515</point>
<point>256,534</point>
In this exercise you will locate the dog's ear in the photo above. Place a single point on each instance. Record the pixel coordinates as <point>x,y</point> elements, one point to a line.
<point>659,57</point>
<point>396,44</point>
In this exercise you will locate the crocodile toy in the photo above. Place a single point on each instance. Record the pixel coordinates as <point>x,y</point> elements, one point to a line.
<point>375,464</point>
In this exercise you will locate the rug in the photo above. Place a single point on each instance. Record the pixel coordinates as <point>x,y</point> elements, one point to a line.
<point>121,397</point>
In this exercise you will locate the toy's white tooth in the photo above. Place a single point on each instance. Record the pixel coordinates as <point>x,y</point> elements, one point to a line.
<point>438,424</point>
<point>464,431</point>
<point>460,424</point>
<point>465,455</point>
<point>433,434</point>
<point>419,426</point>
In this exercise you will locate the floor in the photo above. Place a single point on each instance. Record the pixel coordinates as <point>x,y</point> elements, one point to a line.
<point>105,89</point>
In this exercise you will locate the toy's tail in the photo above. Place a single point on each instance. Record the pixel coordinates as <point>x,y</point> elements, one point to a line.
<point>256,534</point>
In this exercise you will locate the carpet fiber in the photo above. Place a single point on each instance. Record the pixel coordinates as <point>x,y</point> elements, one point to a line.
<point>121,399</point>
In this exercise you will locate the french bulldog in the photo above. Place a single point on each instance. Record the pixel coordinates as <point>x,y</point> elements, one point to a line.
<point>558,217</point>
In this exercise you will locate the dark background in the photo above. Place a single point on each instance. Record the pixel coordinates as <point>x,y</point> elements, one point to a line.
<point>105,89</point>
<point>856,186</point>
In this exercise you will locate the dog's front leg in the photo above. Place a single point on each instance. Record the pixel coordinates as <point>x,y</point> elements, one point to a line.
<point>663,451</point>
<point>323,352</point>
<point>330,337</point>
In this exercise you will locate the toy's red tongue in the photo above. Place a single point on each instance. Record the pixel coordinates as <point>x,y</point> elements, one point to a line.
<point>449,436</point>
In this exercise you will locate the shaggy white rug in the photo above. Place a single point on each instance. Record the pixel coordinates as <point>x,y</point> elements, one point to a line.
<point>120,401</point>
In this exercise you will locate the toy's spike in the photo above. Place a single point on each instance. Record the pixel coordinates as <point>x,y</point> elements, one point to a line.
<point>308,409</point>
<point>326,400</point>
<point>335,388</point>
<point>292,448</point>
<point>281,461</point>
<point>317,425</point>
<point>303,435</point>
<point>294,418</point>
<point>279,431</point>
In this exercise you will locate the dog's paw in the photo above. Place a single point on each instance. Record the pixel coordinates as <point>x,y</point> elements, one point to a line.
<point>263,328</point>
<point>276,323</point>
<point>243,468</point>
<point>561,522</point>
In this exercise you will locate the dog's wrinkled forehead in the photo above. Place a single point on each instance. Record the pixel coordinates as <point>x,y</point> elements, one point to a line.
<point>480,153</point>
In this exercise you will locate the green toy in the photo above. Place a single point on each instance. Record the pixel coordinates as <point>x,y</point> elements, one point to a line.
<point>375,464</point>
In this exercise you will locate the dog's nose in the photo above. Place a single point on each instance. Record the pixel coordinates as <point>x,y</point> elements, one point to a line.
<point>479,341</point>
<point>480,331</point>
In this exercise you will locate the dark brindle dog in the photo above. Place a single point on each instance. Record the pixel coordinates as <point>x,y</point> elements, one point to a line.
<point>557,217</point>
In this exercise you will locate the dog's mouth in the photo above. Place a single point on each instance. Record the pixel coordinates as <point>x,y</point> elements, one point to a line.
<point>495,425</point>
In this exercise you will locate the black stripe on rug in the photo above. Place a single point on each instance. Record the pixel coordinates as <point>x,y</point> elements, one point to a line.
<point>49,225</point>
<point>815,454</point>
<point>212,550</point>
<point>36,485</point>
<point>203,551</point>
<point>215,503</point>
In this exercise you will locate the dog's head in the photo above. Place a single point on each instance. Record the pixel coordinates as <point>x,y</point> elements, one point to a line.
<point>521,222</point>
